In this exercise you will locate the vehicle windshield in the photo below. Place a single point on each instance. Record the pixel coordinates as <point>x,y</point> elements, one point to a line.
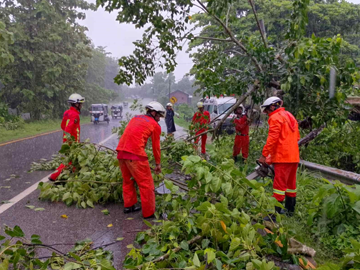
<point>209,108</point>
<point>97,108</point>
<point>224,107</point>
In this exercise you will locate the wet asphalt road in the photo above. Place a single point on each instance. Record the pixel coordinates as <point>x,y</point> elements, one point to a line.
<point>16,158</point>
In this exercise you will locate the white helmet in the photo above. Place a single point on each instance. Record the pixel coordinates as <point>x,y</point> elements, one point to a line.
<point>156,106</point>
<point>270,101</point>
<point>76,98</point>
<point>169,104</point>
<point>200,104</point>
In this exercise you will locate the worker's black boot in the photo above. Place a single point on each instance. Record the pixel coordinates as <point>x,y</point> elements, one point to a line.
<point>131,209</point>
<point>273,216</point>
<point>235,159</point>
<point>290,203</point>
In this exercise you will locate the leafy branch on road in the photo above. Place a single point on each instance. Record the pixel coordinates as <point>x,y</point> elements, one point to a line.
<point>18,252</point>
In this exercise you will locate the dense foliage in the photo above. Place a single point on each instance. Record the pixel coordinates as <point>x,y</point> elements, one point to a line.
<point>218,220</point>
<point>6,39</point>
<point>221,210</point>
<point>50,57</point>
<point>8,121</point>
<point>19,252</point>
<point>229,55</point>
<point>93,177</point>
<point>337,146</point>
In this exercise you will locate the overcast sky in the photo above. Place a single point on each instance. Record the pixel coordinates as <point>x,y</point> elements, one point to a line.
<point>105,31</point>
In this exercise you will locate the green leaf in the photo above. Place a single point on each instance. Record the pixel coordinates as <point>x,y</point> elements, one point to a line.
<point>356,207</point>
<point>235,242</point>
<point>39,209</point>
<point>218,264</point>
<point>30,206</point>
<point>4,265</point>
<point>119,238</point>
<point>205,243</point>
<point>76,257</point>
<point>184,245</point>
<point>105,212</point>
<point>196,260</point>
<point>67,195</point>
<point>210,254</point>
<point>224,200</point>
<point>5,202</point>
<point>148,223</point>
<point>204,206</point>
<point>106,264</point>
<point>90,203</point>
<point>64,148</point>
<point>83,204</point>
<point>194,159</point>
<point>71,266</point>
<point>16,232</point>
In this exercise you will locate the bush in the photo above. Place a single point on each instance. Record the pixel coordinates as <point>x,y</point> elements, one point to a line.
<point>8,121</point>
<point>185,111</point>
<point>336,146</point>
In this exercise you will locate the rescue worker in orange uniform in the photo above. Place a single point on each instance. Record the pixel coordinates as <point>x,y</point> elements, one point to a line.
<point>200,121</point>
<point>70,125</point>
<point>282,147</point>
<point>134,162</point>
<point>241,143</point>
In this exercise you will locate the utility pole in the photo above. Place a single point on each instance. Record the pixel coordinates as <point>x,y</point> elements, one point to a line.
<point>169,87</point>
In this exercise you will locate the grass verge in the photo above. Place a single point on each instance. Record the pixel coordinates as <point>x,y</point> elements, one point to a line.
<point>307,187</point>
<point>33,128</point>
<point>181,122</point>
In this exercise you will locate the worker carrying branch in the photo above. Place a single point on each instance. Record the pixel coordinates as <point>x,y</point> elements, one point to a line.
<point>70,125</point>
<point>282,147</point>
<point>200,121</point>
<point>241,143</point>
<point>134,162</point>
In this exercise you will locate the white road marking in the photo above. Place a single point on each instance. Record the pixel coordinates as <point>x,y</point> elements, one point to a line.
<point>32,188</point>
<point>108,138</point>
<point>22,195</point>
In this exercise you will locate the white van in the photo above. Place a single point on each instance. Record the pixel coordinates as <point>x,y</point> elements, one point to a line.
<point>216,107</point>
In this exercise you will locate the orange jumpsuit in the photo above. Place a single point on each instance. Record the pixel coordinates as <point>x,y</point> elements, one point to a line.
<point>282,146</point>
<point>69,124</point>
<point>202,119</point>
<point>241,143</point>
<point>134,161</point>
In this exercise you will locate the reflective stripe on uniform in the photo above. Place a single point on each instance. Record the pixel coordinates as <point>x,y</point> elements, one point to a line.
<point>280,192</point>
<point>291,191</point>
<point>67,122</point>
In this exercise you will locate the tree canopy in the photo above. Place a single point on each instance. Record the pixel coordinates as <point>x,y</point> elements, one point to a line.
<point>50,57</point>
<point>233,52</point>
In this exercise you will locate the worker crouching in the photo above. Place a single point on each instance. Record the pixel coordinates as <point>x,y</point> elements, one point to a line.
<point>282,146</point>
<point>134,162</point>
